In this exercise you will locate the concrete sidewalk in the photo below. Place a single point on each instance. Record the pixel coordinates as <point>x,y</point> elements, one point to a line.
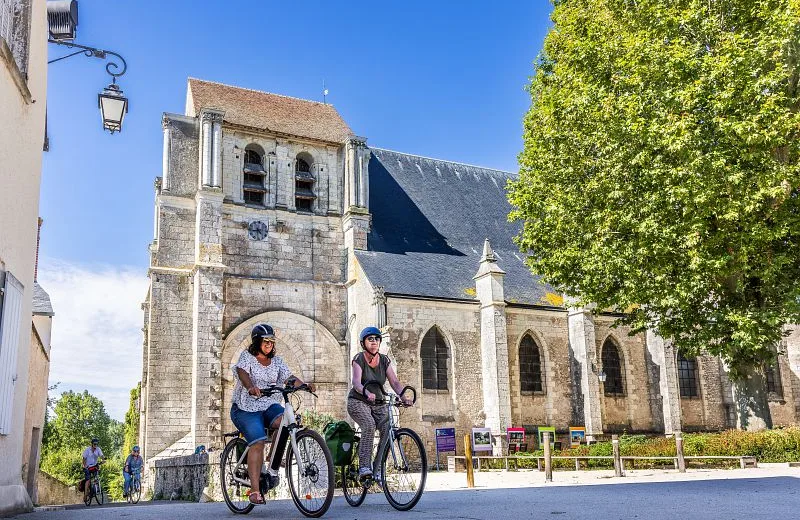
<point>444,481</point>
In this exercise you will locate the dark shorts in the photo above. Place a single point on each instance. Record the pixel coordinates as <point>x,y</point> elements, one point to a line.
<point>254,424</point>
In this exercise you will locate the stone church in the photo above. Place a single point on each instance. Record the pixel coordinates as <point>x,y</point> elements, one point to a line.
<point>270,209</point>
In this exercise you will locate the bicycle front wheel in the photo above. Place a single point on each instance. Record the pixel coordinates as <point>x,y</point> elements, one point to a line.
<point>99,496</point>
<point>234,492</point>
<point>311,478</point>
<point>404,466</point>
<point>135,493</point>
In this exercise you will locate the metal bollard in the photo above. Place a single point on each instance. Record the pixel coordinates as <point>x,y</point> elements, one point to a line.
<point>548,459</point>
<point>468,458</point>
<point>679,452</point>
<point>617,460</point>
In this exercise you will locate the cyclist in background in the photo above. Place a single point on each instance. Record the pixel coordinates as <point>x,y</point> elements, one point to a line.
<point>133,465</point>
<point>369,365</point>
<point>91,456</point>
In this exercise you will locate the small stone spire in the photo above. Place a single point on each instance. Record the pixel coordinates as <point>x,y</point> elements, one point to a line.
<point>488,262</point>
<point>488,253</point>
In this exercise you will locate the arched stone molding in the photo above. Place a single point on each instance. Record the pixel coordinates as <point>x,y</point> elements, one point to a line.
<point>310,350</point>
<point>452,377</point>
<point>613,416</point>
<point>548,373</point>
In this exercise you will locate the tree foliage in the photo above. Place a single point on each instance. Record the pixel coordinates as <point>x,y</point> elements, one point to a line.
<point>660,168</point>
<point>76,419</point>
<point>132,421</point>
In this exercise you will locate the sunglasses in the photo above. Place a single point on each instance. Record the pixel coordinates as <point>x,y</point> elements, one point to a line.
<point>373,338</point>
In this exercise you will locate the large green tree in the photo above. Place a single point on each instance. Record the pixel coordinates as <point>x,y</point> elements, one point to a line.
<point>660,172</point>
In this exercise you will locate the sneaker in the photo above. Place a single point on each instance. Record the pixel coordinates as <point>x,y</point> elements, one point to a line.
<point>364,475</point>
<point>124,495</point>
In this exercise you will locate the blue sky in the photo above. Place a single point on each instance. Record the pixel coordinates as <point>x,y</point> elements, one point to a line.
<point>440,79</point>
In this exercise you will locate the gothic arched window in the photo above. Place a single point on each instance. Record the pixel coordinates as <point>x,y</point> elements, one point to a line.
<point>435,354</point>
<point>612,366</point>
<point>530,366</point>
<point>687,376</point>
<point>772,374</point>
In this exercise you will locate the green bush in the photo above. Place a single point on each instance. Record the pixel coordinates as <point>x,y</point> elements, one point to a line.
<point>779,445</point>
<point>317,420</point>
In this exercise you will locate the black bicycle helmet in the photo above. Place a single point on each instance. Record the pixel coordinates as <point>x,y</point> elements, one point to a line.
<point>262,331</point>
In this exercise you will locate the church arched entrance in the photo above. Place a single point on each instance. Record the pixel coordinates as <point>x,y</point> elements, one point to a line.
<point>310,350</point>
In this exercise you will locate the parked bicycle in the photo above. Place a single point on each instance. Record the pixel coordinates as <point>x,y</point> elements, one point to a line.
<point>403,461</point>
<point>309,465</point>
<point>135,488</point>
<point>95,486</point>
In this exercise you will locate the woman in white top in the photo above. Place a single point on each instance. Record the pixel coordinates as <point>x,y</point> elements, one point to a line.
<point>257,368</point>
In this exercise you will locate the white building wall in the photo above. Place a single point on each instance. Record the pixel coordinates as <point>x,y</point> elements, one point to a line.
<point>21,141</point>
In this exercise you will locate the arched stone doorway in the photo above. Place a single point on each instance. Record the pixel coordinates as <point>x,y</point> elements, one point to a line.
<point>310,350</point>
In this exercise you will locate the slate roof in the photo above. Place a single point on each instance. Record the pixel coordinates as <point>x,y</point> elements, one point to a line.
<point>429,222</point>
<point>269,112</point>
<point>41,301</point>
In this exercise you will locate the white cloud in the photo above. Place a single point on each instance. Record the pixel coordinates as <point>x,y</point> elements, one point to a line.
<point>97,329</point>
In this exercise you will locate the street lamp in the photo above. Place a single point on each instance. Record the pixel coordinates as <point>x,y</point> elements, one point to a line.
<point>62,18</point>
<point>601,376</point>
<point>113,107</point>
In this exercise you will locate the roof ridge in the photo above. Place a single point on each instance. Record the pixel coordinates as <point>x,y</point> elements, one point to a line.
<point>261,91</point>
<point>444,160</point>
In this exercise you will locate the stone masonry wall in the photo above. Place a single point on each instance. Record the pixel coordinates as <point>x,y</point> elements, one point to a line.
<point>183,155</point>
<point>169,371</point>
<point>462,404</point>
<point>297,247</point>
<point>175,244</point>
<point>550,332</point>
<point>631,412</point>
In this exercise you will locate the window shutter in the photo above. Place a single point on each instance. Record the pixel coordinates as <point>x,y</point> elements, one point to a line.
<point>10,317</point>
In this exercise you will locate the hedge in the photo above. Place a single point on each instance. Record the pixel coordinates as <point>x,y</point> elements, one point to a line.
<point>778,445</point>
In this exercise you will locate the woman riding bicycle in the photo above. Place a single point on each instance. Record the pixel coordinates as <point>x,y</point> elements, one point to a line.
<point>133,466</point>
<point>257,368</point>
<point>371,365</point>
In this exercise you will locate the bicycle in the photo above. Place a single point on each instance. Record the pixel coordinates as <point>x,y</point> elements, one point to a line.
<point>95,486</point>
<point>309,464</point>
<point>135,488</point>
<point>404,463</point>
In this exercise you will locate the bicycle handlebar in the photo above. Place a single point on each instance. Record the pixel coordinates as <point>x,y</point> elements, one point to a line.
<point>375,384</point>
<point>273,389</point>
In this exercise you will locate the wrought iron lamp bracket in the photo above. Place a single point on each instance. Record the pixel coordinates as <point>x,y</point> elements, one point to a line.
<point>92,52</point>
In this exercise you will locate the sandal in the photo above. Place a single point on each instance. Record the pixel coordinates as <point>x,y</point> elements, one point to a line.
<point>257,498</point>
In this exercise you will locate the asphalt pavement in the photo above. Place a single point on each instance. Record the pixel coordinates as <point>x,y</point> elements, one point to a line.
<point>765,492</point>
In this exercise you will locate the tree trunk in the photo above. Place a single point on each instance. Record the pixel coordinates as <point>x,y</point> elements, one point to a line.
<point>750,400</point>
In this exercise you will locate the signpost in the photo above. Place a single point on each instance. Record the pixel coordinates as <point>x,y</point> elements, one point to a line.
<point>552,431</point>
<point>445,441</point>
<point>577,436</point>
<point>481,439</point>
<point>515,438</point>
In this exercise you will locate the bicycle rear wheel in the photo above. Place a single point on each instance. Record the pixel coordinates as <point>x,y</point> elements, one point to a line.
<point>354,491</point>
<point>311,479</point>
<point>404,466</point>
<point>235,493</point>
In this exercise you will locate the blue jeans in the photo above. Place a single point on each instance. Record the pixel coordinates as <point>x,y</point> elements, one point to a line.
<point>128,479</point>
<point>254,424</point>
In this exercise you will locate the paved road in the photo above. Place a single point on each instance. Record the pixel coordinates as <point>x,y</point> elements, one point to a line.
<point>745,498</point>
